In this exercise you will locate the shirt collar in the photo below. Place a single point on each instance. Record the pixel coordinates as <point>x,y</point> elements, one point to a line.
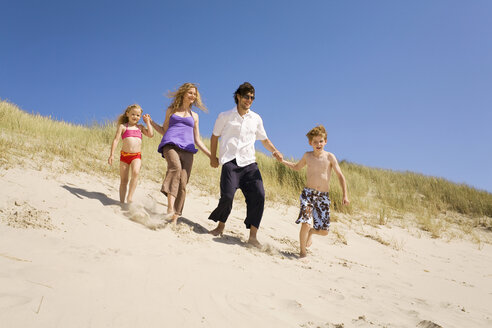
<point>245,115</point>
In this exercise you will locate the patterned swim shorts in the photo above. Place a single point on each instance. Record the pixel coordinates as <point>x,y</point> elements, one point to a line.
<point>316,205</point>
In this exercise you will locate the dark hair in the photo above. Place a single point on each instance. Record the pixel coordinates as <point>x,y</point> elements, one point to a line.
<point>243,89</point>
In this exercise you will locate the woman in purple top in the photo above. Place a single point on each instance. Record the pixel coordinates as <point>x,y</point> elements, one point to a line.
<point>180,135</point>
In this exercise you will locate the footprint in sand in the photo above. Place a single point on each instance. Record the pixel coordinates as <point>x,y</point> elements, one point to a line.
<point>24,216</point>
<point>8,301</point>
<point>428,324</point>
<point>332,295</point>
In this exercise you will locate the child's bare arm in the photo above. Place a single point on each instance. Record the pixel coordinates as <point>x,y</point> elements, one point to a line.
<point>341,177</point>
<point>148,131</point>
<point>296,166</point>
<point>162,129</point>
<point>116,139</point>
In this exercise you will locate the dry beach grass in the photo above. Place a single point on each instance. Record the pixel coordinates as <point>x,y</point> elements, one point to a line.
<point>410,251</point>
<point>379,197</point>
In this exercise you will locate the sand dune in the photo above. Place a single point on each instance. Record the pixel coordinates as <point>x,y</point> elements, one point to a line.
<point>71,256</point>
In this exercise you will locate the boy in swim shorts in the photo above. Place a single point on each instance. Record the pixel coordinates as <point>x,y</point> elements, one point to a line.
<point>315,201</point>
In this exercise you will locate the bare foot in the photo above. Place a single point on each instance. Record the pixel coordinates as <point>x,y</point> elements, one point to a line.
<point>174,220</point>
<point>309,241</point>
<point>219,230</point>
<point>302,255</point>
<point>254,242</point>
<point>168,216</point>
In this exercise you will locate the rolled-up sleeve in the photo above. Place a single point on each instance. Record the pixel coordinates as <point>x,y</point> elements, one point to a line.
<point>219,125</point>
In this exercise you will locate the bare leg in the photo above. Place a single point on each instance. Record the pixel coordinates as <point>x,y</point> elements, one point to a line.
<point>219,230</point>
<point>170,203</point>
<point>312,232</point>
<point>135,168</point>
<point>124,171</point>
<point>171,216</point>
<point>309,240</point>
<point>174,219</point>
<point>252,237</point>
<point>170,206</point>
<point>303,238</point>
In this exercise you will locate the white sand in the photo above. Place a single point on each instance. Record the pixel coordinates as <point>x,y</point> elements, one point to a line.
<point>71,257</point>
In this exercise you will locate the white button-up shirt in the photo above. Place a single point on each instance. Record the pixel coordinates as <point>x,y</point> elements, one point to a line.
<point>238,135</point>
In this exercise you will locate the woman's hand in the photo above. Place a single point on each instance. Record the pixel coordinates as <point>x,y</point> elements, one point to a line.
<point>214,162</point>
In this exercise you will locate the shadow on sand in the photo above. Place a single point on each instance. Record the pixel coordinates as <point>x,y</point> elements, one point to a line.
<point>230,240</point>
<point>289,255</point>
<point>196,227</point>
<point>201,230</point>
<point>82,193</point>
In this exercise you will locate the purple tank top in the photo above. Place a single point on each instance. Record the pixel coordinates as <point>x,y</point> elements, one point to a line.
<point>180,134</point>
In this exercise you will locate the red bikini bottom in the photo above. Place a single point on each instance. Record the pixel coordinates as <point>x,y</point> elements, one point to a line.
<point>129,157</point>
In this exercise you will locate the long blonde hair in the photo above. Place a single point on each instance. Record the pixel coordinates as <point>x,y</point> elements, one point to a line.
<point>123,118</point>
<point>180,93</point>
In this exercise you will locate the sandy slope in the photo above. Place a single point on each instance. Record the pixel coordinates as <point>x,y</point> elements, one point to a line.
<point>70,256</point>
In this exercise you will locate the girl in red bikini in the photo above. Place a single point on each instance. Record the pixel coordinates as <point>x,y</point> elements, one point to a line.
<point>130,159</point>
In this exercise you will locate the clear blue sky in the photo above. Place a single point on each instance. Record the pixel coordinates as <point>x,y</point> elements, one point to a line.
<point>402,85</point>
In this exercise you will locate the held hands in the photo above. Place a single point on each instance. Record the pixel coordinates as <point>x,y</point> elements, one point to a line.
<point>278,156</point>
<point>214,162</point>
<point>146,118</point>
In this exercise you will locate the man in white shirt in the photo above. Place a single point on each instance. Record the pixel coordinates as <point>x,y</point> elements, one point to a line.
<point>238,129</point>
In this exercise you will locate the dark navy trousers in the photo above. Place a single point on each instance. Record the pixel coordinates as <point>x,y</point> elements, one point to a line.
<point>248,179</point>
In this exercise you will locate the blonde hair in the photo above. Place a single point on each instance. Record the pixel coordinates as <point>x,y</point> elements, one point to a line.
<point>123,119</point>
<point>317,131</point>
<point>180,93</point>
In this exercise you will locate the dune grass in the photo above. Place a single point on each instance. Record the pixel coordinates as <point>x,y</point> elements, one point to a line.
<point>380,196</point>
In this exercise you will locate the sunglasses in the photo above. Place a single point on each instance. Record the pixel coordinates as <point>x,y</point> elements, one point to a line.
<point>246,97</point>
